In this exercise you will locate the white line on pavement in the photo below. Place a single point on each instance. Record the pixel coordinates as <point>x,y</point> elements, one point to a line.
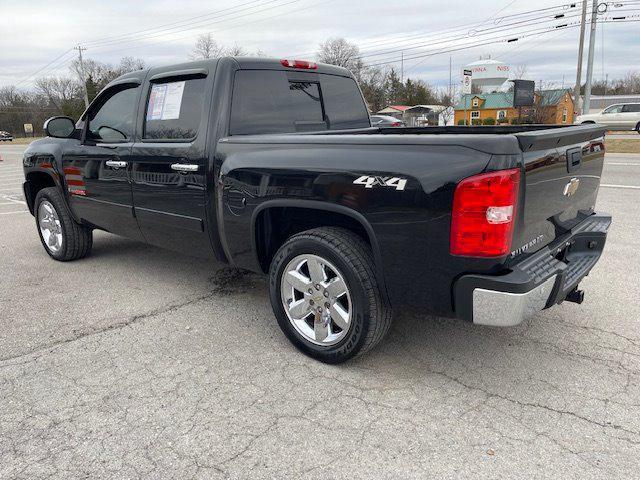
<point>633,187</point>
<point>626,164</point>
<point>4,197</point>
<point>15,211</point>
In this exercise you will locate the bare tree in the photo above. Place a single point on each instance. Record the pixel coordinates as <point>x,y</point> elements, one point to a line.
<point>235,51</point>
<point>59,90</point>
<point>206,47</point>
<point>337,51</point>
<point>520,71</point>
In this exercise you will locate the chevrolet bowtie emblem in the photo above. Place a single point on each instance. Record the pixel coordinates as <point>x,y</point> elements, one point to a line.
<point>571,187</point>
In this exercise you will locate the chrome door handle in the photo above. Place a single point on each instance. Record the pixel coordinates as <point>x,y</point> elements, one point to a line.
<point>116,163</point>
<point>184,167</point>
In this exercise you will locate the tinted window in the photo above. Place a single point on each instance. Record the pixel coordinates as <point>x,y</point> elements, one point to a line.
<point>343,103</point>
<point>271,102</point>
<point>113,120</point>
<point>632,107</point>
<point>174,109</point>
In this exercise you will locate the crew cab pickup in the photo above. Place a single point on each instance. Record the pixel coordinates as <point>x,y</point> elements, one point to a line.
<point>272,166</point>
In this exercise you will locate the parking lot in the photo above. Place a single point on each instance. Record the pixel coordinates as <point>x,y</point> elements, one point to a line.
<point>142,363</point>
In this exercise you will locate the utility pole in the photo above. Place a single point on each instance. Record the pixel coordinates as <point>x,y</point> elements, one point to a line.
<point>592,46</point>
<point>450,92</point>
<point>576,90</point>
<point>83,76</point>
<point>402,67</point>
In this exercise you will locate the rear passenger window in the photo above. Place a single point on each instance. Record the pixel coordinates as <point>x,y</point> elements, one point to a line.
<point>174,109</point>
<point>631,108</point>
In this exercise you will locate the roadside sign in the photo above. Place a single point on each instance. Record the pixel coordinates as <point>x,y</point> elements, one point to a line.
<point>28,128</point>
<point>466,82</point>
<point>523,93</point>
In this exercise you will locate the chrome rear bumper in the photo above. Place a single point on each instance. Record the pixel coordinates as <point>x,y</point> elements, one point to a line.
<point>504,309</point>
<point>540,281</point>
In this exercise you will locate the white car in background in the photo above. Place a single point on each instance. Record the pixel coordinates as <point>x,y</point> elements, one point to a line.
<point>621,116</point>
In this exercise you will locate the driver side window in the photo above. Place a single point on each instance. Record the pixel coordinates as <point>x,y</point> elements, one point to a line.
<point>613,109</point>
<point>113,118</point>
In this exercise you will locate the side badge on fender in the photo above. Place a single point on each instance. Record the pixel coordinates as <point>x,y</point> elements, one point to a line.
<point>370,182</point>
<point>571,187</point>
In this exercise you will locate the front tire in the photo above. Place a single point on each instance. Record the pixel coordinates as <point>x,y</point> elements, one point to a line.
<point>325,294</point>
<point>62,237</point>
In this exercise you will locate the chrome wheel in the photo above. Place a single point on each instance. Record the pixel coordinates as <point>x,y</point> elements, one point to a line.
<point>50,227</point>
<point>316,299</point>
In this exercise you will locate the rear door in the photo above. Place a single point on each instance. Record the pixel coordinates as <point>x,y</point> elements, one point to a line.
<point>169,160</point>
<point>97,171</point>
<point>630,116</point>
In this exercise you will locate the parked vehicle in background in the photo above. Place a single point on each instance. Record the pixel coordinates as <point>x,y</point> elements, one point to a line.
<point>622,116</point>
<point>5,136</point>
<point>273,166</point>
<point>386,121</point>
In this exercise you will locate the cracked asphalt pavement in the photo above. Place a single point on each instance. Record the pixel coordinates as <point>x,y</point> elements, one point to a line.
<point>142,363</point>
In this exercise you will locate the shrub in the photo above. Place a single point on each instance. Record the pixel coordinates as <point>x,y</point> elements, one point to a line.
<point>489,121</point>
<point>462,122</point>
<point>476,121</point>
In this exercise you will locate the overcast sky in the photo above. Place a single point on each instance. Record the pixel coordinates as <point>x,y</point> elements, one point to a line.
<point>34,33</point>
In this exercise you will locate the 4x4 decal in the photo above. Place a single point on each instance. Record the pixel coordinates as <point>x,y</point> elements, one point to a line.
<point>370,182</point>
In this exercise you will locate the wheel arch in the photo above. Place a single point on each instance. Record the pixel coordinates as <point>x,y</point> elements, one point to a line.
<point>325,214</point>
<point>36,181</point>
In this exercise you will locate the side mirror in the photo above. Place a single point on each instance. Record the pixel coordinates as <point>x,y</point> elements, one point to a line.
<point>59,127</point>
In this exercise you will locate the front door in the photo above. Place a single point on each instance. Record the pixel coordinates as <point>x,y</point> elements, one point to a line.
<point>169,162</point>
<point>611,117</point>
<point>97,172</point>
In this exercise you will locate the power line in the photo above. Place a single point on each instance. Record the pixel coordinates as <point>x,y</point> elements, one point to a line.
<point>44,67</point>
<point>467,30</point>
<point>231,26</point>
<point>533,33</point>
<point>197,24</point>
<point>479,33</point>
<point>52,67</point>
<point>99,40</point>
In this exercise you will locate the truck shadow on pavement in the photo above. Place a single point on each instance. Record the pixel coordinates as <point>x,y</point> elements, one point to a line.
<point>428,343</point>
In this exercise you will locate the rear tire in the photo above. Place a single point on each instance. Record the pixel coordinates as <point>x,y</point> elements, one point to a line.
<point>62,237</point>
<point>355,312</point>
<point>638,128</point>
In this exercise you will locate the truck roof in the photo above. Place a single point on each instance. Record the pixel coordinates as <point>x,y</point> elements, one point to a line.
<point>248,63</point>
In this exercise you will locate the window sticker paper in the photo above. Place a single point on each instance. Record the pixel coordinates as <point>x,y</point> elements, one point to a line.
<point>165,101</point>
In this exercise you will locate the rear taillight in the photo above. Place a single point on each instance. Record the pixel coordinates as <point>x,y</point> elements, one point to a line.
<point>484,209</point>
<point>299,64</point>
<point>396,124</point>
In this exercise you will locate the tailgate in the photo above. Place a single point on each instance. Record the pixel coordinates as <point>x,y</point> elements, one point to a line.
<point>563,167</point>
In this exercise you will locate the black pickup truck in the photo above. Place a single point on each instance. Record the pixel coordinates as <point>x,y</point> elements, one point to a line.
<point>273,166</point>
